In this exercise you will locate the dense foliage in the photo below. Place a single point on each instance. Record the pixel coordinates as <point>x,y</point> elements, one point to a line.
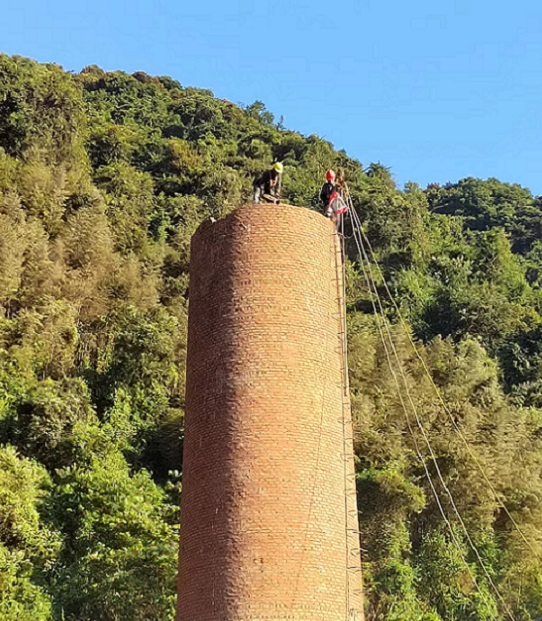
<point>103,179</point>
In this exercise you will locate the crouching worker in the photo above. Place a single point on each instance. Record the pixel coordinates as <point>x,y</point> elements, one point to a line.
<point>332,201</point>
<point>267,185</point>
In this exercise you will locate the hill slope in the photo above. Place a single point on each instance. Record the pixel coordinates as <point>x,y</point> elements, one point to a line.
<point>103,179</point>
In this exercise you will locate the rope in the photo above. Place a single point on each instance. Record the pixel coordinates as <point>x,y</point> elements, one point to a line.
<point>372,288</point>
<point>370,285</point>
<point>456,427</point>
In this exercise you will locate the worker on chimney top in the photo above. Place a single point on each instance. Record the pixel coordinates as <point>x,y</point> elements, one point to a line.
<point>267,185</point>
<point>327,190</point>
<point>331,197</point>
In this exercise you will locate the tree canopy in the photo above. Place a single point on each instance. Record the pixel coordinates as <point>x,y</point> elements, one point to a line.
<point>104,177</point>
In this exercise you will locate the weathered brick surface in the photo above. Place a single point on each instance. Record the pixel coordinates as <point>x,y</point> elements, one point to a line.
<point>268,520</point>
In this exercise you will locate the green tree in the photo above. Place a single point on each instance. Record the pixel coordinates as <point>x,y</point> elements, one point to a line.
<point>118,559</point>
<point>27,548</point>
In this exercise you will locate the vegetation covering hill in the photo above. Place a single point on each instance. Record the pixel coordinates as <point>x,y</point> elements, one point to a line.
<point>103,179</point>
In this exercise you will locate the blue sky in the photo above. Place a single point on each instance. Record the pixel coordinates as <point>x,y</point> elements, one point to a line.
<point>434,90</point>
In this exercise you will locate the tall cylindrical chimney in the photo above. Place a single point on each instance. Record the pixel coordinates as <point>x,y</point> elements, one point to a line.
<point>268,521</point>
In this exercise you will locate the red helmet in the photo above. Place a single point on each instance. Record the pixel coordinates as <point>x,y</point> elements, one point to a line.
<point>330,175</point>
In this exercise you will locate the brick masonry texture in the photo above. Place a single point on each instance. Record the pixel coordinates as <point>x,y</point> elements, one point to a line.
<point>268,517</point>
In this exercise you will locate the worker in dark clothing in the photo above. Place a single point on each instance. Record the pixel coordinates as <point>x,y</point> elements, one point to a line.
<point>327,191</point>
<point>267,185</point>
<point>331,197</point>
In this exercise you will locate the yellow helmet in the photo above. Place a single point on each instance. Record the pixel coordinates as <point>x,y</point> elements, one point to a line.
<point>278,167</point>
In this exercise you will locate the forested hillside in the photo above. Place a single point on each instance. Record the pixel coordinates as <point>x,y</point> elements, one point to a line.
<point>103,179</point>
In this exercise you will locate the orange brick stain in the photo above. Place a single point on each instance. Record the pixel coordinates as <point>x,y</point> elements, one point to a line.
<point>267,532</point>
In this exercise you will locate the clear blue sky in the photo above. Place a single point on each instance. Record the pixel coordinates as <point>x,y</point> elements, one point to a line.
<point>436,90</point>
